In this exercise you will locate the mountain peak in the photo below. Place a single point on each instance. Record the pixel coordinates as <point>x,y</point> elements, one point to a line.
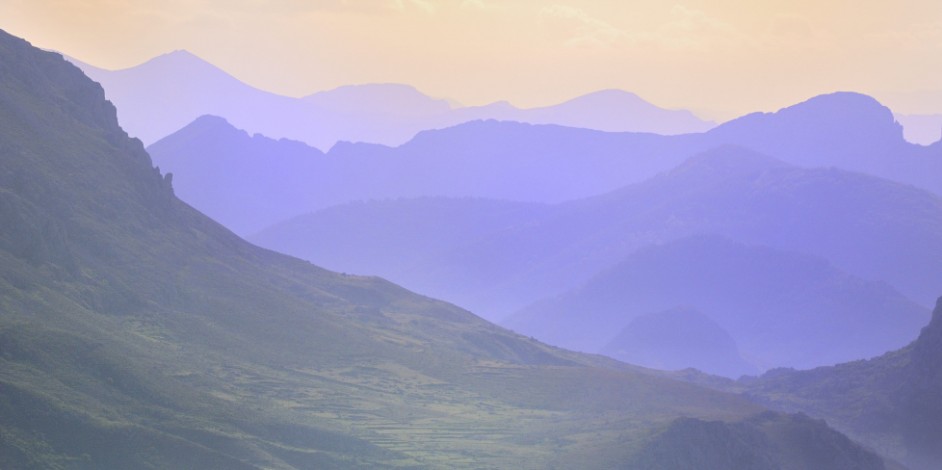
<point>838,115</point>
<point>611,94</point>
<point>843,103</point>
<point>176,62</point>
<point>205,125</point>
<point>178,55</point>
<point>382,98</point>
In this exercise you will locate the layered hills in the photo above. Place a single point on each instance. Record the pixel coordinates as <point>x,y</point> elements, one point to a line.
<point>779,307</point>
<point>867,227</point>
<point>521,162</point>
<point>137,333</point>
<point>165,93</point>
<point>217,166</point>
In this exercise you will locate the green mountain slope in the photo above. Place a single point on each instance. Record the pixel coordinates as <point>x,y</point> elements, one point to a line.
<point>136,333</point>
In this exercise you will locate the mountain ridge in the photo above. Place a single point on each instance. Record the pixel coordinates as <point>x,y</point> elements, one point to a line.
<point>356,113</point>
<point>139,333</point>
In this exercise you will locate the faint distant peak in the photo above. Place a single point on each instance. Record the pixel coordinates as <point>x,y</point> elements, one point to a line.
<point>176,62</point>
<point>206,125</point>
<point>610,94</point>
<point>379,98</point>
<point>211,121</point>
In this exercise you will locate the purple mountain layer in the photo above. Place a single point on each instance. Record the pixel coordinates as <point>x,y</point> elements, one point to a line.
<point>165,93</point>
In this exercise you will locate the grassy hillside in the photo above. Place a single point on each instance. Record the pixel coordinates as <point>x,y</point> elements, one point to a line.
<point>136,333</point>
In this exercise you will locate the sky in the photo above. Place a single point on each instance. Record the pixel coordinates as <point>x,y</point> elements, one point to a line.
<point>720,58</point>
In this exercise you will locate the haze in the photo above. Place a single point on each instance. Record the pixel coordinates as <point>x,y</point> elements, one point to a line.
<point>720,59</point>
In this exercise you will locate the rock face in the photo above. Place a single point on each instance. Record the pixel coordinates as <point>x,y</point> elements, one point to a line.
<point>677,339</point>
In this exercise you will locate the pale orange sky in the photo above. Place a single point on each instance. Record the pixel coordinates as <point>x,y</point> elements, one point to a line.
<point>721,58</point>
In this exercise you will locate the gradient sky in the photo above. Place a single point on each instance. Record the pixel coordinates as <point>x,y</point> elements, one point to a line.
<point>721,58</point>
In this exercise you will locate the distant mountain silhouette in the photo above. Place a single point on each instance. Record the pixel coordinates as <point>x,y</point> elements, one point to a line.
<point>245,182</point>
<point>868,227</point>
<point>483,159</point>
<point>890,403</point>
<point>781,308</point>
<point>165,93</point>
<point>605,110</point>
<point>385,100</point>
<point>845,130</point>
<point>389,237</point>
<point>679,338</point>
<point>871,228</point>
<point>537,163</point>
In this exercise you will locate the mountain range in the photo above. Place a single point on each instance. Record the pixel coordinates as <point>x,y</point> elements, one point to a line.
<point>779,308</point>
<point>138,333</point>
<point>239,179</point>
<point>167,92</point>
<point>520,162</point>
<point>867,227</point>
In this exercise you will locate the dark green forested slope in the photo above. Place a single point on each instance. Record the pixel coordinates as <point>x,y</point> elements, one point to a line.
<point>137,333</point>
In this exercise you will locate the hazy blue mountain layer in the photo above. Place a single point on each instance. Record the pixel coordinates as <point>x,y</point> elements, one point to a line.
<point>867,227</point>
<point>513,161</point>
<point>165,93</point>
<point>679,338</point>
<point>781,308</point>
<point>137,333</point>
<point>217,167</point>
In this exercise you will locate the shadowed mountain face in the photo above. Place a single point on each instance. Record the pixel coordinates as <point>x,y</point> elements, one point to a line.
<point>781,308</point>
<point>137,333</point>
<point>165,93</point>
<point>890,402</point>
<point>677,339</point>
